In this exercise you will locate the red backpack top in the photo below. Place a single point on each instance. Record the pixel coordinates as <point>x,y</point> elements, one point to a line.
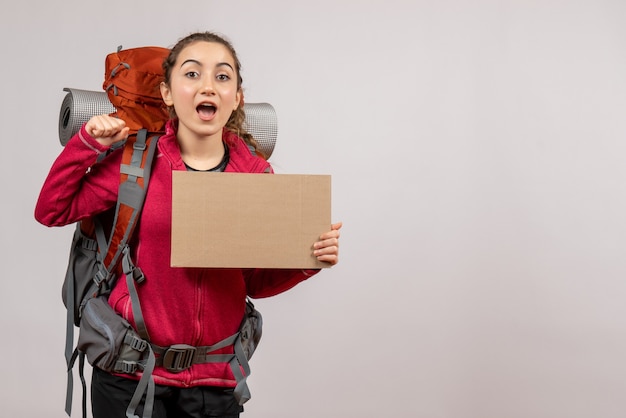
<point>132,81</point>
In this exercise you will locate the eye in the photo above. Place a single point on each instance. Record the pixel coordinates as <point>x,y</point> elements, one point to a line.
<point>191,74</point>
<point>223,77</point>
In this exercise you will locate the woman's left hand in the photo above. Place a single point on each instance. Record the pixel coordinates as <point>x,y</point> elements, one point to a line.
<point>327,248</point>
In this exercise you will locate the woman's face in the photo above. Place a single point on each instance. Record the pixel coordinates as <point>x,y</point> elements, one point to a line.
<point>203,89</point>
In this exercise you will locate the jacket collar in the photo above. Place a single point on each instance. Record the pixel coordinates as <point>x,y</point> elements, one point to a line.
<point>241,158</point>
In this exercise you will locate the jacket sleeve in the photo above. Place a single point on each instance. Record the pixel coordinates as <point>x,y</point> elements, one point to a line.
<point>262,283</point>
<point>78,184</point>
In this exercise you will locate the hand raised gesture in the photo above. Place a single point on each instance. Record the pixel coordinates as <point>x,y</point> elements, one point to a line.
<point>106,129</point>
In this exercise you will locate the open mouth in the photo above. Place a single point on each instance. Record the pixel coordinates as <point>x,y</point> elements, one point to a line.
<point>206,111</point>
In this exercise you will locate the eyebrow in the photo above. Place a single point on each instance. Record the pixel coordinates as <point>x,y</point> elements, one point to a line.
<point>219,64</point>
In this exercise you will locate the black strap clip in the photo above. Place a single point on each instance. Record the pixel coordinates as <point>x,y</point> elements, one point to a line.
<point>178,357</point>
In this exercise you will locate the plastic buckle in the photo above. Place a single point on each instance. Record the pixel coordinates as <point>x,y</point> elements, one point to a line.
<point>135,342</point>
<point>178,357</point>
<point>101,275</point>
<point>139,145</point>
<point>123,366</point>
<point>138,275</point>
<point>89,244</point>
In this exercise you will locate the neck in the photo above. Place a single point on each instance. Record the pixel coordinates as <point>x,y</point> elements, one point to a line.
<point>201,153</point>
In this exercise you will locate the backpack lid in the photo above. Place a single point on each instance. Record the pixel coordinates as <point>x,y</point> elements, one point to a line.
<point>132,79</point>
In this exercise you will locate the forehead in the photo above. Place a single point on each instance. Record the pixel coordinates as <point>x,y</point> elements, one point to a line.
<point>206,53</point>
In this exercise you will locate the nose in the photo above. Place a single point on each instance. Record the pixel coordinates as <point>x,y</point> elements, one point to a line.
<point>207,86</point>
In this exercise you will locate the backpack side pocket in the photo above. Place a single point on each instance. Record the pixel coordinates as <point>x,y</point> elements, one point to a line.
<point>107,339</point>
<point>81,269</point>
<point>251,329</point>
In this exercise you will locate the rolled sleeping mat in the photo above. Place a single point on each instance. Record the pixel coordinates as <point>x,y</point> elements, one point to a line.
<point>79,106</point>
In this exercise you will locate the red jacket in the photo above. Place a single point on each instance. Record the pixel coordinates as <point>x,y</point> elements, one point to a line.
<point>192,306</point>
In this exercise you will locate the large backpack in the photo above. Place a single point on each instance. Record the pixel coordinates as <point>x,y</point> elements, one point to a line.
<point>100,254</point>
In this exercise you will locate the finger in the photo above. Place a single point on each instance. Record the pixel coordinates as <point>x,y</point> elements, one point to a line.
<point>97,126</point>
<point>328,254</point>
<point>106,129</point>
<point>94,126</point>
<point>328,250</point>
<point>332,260</point>
<point>325,243</point>
<point>112,126</point>
<point>104,126</point>
<point>334,234</point>
<point>121,135</point>
<point>334,231</point>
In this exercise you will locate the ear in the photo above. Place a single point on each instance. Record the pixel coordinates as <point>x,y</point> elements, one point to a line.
<point>166,94</point>
<point>238,99</point>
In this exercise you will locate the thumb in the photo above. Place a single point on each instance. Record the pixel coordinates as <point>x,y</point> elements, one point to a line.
<point>121,135</point>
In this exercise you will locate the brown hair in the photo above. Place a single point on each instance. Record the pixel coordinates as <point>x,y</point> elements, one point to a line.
<point>237,118</point>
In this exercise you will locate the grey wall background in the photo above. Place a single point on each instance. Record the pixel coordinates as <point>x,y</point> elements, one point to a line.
<point>477,154</point>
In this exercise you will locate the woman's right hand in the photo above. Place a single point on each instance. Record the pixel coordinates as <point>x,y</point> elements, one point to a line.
<point>106,129</point>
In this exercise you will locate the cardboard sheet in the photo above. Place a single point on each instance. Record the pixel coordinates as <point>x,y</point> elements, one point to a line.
<point>243,220</point>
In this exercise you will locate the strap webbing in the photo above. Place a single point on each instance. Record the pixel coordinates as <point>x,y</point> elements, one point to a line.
<point>134,175</point>
<point>133,274</point>
<point>70,354</point>
<point>81,368</point>
<point>145,385</point>
<point>241,392</point>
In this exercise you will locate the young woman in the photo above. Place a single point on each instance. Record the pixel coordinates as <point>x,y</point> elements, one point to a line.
<point>193,306</point>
